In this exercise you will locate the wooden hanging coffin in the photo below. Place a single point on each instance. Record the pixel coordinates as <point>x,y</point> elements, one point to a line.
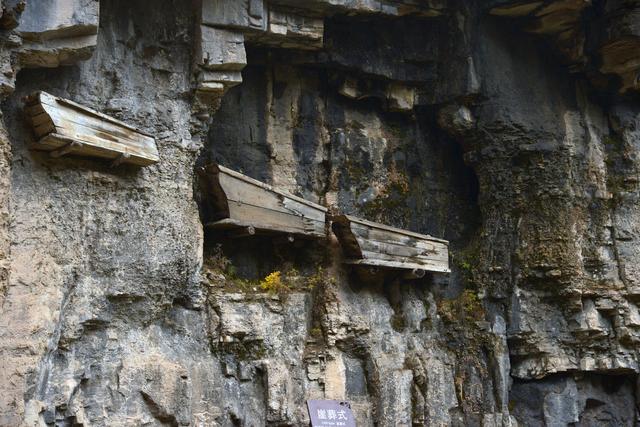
<point>233,201</point>
<point>65,127</point>
<point>371,244</point>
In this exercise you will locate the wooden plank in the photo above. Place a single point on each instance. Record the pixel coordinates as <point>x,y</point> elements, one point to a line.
<point>368,243</point>
<point>304,209</point>
<point>377,226</point>
<point>246,192</point>
<point>238,190</point>
<point>51,100</point>
<point>230,224</point>
<point>267,187</point>
<point>265,218</point>
<point>372,255</point>
<point>56,120</point>
<point>102,149</point>
<point>55,141</point>
<point>225,224</point>
<point>115,147</point>
<point>440,268</point>
<point>258,215</point>
<point>89,125</point>
<point>426,243</point>
<point>40,118</point>
<point>249,202</point>
<point>391,235</point>
<point>33,109</point>
<point>403,251</point>
<point>44,129</point>
<point>93,119</point>
<point>70,122</point>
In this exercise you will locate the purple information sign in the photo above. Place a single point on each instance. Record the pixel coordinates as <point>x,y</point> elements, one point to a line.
<point>330,413</point>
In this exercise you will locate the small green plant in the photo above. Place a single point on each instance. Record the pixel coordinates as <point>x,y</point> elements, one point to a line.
<point>466,308</point>
<point>398,322</point>
<point>467,262</point>
<point>272,283</point>
<point>613,141</point>
<point>316,332</point>
<point>277,282</point>
<point>317,279</point>
<point>242,350</point>
<point>391,202</point>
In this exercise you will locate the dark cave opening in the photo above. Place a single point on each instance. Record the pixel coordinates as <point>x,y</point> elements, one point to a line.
<point>581,399</point>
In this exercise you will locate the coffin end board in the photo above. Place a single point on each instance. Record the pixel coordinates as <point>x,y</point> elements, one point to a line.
<point>367,243</point>
<point>61,127</point>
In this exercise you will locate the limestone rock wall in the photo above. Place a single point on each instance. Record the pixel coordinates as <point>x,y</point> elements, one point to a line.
<point>508,128</point>
<point>4,213</point>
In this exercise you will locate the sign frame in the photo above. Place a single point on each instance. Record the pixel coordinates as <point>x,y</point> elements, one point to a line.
<point>330,413</point>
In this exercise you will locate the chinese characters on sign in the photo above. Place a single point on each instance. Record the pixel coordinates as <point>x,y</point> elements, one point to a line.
<point>330,413</point>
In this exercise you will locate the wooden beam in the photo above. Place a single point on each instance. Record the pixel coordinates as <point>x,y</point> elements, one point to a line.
<point>65,149</point>
<point>242,232</point>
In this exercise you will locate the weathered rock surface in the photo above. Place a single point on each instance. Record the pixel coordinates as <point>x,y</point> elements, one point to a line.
<point>509,128</point>
<point>5,196</point>
<point>600,39</point>
<point>56,33</point>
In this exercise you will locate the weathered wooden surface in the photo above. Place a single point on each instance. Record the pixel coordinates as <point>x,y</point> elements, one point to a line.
<point>65,127</point>
<point>372,244</point>
<point>233,200</point>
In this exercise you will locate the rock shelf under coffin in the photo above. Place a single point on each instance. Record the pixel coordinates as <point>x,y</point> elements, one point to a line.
<point>372,244</point>
<point>65,127</point>
<point>233,201</point>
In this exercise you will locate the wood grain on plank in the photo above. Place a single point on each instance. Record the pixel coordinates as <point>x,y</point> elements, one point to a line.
<point>369,243</point>
<point>56,121</point>
<point>249,202</point>
<point>438,268</point>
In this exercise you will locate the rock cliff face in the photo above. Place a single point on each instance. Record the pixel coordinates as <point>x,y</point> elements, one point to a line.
<point>511,129</point>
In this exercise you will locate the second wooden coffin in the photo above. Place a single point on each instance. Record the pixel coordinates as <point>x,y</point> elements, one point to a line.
<point>378,245</point>
<point>65,127</point>
<point>233,200</point>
